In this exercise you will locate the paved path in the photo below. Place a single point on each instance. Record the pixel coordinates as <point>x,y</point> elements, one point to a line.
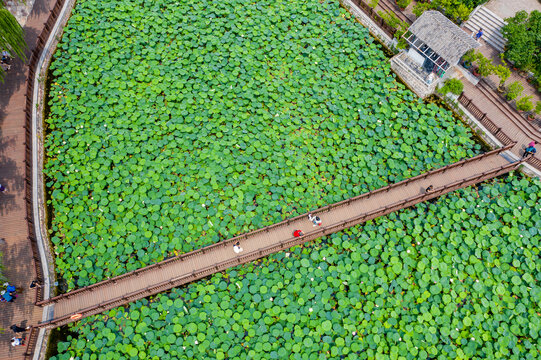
<point>508,8</point>
<point>206,261</point>
<point>17,258</point>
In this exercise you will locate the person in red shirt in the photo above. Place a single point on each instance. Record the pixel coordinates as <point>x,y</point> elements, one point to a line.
<point>297,233</point>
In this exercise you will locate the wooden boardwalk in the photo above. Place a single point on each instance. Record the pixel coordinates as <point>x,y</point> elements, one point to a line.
<point>200,263</point>
<point>16,246</point>
<point>485,105</point>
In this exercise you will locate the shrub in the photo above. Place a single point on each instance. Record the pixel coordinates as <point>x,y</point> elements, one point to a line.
<point>503,73</point>
<point>525,103</point>
<point>469,56</point>
<point>393,21</point>
<point>373,3</point>
<point>453,9</point>
<point>420,8</point>
<point>453,86</point>
<point>514,90</point>
<point>538,108</point>
<point>403,3</point>
<point>485,65</point>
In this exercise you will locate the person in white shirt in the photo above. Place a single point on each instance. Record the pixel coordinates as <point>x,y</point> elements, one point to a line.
<point>16,341</point>
<point>237,249</point>
<point>314,219</point>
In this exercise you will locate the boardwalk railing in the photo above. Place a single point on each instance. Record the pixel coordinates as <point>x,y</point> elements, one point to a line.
<point>32,68</point>
<point>261,252</point>
<point>389,30</point>
<point>490,126</point>
<point>483,119</point>
<point>36,53</point>
<point>31,342</point>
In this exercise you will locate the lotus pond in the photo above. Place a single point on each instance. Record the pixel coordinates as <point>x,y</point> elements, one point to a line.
<point>454,279</point>
<point>174,125</point>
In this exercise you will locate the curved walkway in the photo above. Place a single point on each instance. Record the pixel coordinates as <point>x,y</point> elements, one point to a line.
<point>200,263</point>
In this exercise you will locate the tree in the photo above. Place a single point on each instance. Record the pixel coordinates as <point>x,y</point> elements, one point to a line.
<point>11,35</point>
<point>503,73</point>
<point>523,34</point>
<point>453,86</point>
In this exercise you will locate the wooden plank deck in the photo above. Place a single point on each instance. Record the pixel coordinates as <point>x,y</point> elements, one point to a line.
<point>18,256</point>
<point>503,116</point>
<point>203,262</point>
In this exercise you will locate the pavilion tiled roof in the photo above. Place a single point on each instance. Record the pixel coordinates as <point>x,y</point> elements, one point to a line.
<point>443,36</point>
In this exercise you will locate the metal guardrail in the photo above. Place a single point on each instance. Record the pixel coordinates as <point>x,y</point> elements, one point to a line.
<point>201,273</point>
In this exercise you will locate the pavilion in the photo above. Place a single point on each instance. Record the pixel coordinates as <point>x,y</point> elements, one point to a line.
<point>435,46</point>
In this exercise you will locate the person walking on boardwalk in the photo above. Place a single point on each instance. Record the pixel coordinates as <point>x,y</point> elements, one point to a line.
<point>530,150</point>
<point>237,249</point>
<point>314,219</point>
<point>16,341</point>
<point>429,189</point>
<point>35,283</point>
<point>298,233</point>
<point>18,329</point>
<point>2,188</point>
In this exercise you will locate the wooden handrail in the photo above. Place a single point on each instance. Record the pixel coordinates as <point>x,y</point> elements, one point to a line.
<point>292,241</point>
<point>230,241</point>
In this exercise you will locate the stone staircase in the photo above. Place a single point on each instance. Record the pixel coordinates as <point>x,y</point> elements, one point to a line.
<point>491,24</point>
<point>402,67</point>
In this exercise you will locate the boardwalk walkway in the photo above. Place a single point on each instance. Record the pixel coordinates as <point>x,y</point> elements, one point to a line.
<point>217,257</point>
<point>16,246</point>
<point>484,102</point>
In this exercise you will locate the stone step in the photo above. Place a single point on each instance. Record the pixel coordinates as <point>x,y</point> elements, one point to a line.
<point>493,37</point>
<point>491,25</point>
<point>490,15</point>
<point>487,27</point>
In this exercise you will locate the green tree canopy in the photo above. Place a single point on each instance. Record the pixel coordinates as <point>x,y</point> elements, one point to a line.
<point>523,34</point>
<point>11,35</point>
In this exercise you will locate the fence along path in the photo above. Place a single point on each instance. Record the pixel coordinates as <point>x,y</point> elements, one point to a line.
<point>203,262</point>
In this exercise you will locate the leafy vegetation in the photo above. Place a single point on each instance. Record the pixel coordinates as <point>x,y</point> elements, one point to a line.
<point>486,68</point>
<point>455,279</point>
<point>403,3</point>
<point>11,36</point>
<point>3,278</point>
<point>503,72</point>
<point>453,86</point>
<point>525,103</point>
<point>176,124</point>
<point>514,90</point>
<point>393,21</point>
<point>523,34</point>
<point>456,10</point>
